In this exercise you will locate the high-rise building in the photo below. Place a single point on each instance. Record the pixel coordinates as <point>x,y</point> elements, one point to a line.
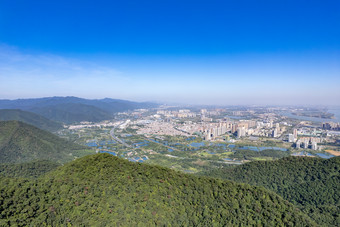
<point>295,133</point>
<point>243,124</point>
<point>241,132</point>
<point>331,126</point>
<point>234,128</point>
<point>305,144</point>
<point>298,144</point>
<point>277,125</point>
<point>274,133</point>
<point>314,145</point>
<point>291,138</point>
<point>203,111</point>
<point>207,134</point>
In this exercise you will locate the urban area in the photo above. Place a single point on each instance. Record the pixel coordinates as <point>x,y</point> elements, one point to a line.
<point>195,139</point>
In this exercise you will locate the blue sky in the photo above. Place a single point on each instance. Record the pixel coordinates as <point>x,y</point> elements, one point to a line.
<point>197,52</point>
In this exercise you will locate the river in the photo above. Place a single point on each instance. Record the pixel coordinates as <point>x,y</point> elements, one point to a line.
<point>333,110</point>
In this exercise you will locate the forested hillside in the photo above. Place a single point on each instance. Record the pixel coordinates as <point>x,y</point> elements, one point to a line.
<point>73,109</point>
<point>32,169</point>
<point>21,142</point>
<point>73,112</point>
<point>313,184</point>
<point>29,118</point>
<point>108,191</point>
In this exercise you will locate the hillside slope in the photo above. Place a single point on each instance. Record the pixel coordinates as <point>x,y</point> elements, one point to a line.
<point>20,142</point>
<point>72,112</point>
<point>313,184</point>
<point>73,109</point>
<point>32,169</point>
<point>108,191</point>
<point>29,118</point>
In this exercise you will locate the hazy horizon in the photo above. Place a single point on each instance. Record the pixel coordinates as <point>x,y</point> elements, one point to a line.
<point>216,53</point>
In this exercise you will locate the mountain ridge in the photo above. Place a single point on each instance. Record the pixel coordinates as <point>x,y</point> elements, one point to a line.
<point>108,190</point>
<point>64,109</point>
<point>21,142</point>
<point>29,118</point>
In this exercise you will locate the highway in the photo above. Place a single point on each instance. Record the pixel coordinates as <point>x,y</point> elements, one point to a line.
<point>112,133</point>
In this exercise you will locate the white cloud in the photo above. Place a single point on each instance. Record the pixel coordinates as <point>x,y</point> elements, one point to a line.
<point>24,75</point>
<point>30,75</point>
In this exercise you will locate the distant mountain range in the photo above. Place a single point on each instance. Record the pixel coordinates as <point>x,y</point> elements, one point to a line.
<point>103,190</point>
<point>21,142</point>
<point>73,109</point>
<point>29,118</point>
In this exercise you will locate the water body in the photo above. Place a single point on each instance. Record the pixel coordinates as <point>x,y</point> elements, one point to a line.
<point>273,148</point>
<point>197,145</point>
<point>302,153</point>
<point>141,144</point>
<point>335,111</point>
<point>252,148</point>
<point>325,155</point>
<point>234,117</point>
<point>176,144</point>
<point>136,159</point>
<point>221,145</point>
<point>92,144</point>
<point>109,152</point>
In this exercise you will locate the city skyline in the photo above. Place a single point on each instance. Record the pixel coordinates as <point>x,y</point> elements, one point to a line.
<point>217,53</point>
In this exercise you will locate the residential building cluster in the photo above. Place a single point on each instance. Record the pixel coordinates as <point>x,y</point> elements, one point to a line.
<point>184,113</point>
<point>308,142</point>
<point>331,126</point>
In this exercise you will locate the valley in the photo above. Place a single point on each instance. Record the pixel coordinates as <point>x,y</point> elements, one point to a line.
<point>169,166</point>
<point>186,140</point>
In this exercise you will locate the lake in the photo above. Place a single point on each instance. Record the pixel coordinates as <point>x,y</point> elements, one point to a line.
<point>109,152</point>
<point>334,110</point>
<point>252,148</point>
<point>327,156</point>
<point>92,144</point>
<point>197,145</point>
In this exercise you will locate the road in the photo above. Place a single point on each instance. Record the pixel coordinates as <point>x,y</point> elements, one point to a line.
<point>112,133</point>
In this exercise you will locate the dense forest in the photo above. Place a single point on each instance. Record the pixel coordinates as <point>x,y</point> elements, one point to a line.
<point>251,155</point>
<point>73,112</point>
<point>30,118</point>
<point>32,169</point>
<point>310,183</point>
<point>36,190</point>
<point>111,191</point>
<point>73,109</point>
<point>20,142</point>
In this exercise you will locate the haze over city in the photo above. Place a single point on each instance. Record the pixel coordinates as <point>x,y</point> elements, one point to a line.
<point>191,52</point>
